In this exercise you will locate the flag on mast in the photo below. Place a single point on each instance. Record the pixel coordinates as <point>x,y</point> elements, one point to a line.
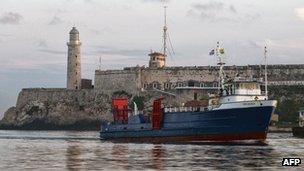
<point>211,52</point>
<point>222,51</point>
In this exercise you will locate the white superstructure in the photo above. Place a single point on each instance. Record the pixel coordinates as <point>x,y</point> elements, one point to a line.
<point>239,92</point>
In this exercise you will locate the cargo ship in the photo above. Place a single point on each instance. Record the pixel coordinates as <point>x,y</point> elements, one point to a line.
<point>240,111</point>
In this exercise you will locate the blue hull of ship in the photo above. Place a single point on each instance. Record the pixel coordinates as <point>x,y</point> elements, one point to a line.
<point>217,125</point>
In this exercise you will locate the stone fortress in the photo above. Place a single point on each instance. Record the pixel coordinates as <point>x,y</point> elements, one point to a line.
<point>82,103</point>
<point>158,76</point>
<point>193,81</point>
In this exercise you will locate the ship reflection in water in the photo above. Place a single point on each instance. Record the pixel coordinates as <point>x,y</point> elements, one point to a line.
<point>82,151</point>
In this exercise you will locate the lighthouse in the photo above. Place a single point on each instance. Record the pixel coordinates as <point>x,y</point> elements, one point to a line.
<point>74,61</point>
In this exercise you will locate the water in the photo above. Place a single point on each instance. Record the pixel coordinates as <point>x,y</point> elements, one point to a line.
<point>68,150</point>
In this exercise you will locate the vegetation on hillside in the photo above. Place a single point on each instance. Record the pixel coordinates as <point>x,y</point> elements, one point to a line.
<point>139,100</point>
<point>290,99</point>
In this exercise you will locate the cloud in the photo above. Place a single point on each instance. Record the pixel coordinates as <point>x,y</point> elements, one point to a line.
<point>209,6</point>
<point>5,35</point>
<point>90,1</point>
<point>114,51</point>
<point>219,12</point>
<point>282,44</point>
<point>10,18</point>
<point>232,9</point>
<point>300,13</point>
<point>255,44</point>
<point>56,52</point>
<point>157,1</point>
<point>55,21</point>
<point>95,31</point>
<point>211,11</point>
<point>59,52</point>
<point>41,43</point>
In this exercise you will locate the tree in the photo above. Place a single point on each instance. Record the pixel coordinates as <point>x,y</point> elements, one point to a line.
<point>139,100</point>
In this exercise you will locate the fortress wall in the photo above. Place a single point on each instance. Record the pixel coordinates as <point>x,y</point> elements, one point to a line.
<point>275,72</point>
<point>117,80</point>
<point>176,76</point>
<point>134,78</point>
<point>173,75</point>
<point>52,94</point>
<point>286,74</point>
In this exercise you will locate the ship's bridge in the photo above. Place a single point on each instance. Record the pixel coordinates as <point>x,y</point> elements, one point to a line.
<point>246,88</point>
<point>242,90</point>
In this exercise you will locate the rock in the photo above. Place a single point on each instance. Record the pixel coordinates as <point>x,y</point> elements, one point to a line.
<point>9,117</point>
<point>57,108</point>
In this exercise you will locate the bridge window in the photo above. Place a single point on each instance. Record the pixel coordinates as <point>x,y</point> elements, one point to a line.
<point>154,85</point>
<point>167,85</point>
<point>172,86</point>
<point>249,86</point>
<point>237,86</point>
<point>191,83</point>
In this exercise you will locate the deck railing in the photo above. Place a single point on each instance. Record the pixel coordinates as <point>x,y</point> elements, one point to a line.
<point>184,109</point>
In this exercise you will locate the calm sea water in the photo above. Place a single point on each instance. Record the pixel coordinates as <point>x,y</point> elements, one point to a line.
<point>68,150</point>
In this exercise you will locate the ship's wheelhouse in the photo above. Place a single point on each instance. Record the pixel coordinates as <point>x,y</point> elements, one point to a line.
<point>247,88</point>
<point>242,91</point>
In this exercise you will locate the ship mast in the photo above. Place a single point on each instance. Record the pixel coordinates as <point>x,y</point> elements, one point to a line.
<point>266,79</point>
<point>99,65</point>
<point>165,32</point>
<point>221,63</point>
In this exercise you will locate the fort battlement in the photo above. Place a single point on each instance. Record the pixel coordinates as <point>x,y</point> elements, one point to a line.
<point>100,72</point>
<point>132,79</point>
<point>239,67</point>
<point>46,89</point>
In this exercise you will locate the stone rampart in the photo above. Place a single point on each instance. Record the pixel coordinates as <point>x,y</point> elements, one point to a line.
<point>114,80</point>
<point>131,79</point>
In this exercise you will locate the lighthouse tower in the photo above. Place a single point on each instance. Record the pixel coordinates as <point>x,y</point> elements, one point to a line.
<point>74,61</point>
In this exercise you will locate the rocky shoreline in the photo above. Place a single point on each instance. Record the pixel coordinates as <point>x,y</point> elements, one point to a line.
<point>62,109</point>
<point>274,129</point>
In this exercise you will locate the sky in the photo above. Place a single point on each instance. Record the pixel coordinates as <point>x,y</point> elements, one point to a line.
<point>33,36</point>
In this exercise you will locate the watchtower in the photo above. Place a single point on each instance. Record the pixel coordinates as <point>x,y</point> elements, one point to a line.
<point>157,60</point>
